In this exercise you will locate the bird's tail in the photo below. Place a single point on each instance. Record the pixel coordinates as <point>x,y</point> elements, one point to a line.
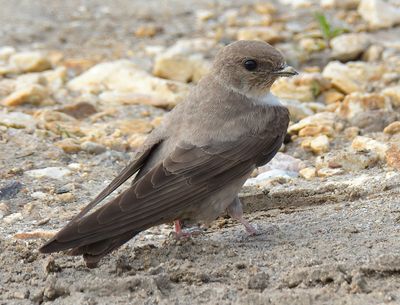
<point>93,252</point>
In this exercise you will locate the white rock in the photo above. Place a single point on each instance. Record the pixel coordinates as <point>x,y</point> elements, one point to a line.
<point>320,144</point>
<point>17,120</point>
<point>297,3</point>
<point>93,148</point>
<point>30,62</point>
<point>6,52</point>
<point>328,119</point>
<point>184,61</point>
<point>361,143</point>
<point>394,94</point>
<point>351,77</point>
<point>49,172</point>
<point>263,33</point>
<point>39,195</point>
<point>379,13</point>
<point>26,94</point>
<point>12,218</point>
<point>283,162</point>
<point>124,76</point>
<point>272,174</point>
<point>349,46</point>
<point>346,4</point>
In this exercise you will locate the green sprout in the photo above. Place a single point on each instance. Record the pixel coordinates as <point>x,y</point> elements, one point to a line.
<point>328,32</point>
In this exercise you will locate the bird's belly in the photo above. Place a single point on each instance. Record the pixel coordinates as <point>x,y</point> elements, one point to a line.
<point>216,204</point>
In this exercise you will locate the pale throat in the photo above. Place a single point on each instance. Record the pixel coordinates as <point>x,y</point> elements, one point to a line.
<point>268,99</point>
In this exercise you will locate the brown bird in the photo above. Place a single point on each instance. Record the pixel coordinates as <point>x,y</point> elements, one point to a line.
<point>193,165</point>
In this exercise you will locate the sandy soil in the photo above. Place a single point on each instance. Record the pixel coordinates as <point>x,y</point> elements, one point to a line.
<point>329,241</point>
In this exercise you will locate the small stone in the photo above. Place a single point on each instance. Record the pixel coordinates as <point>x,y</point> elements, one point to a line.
<point>349,46</point>
<point>328,172</point>
<point>348,160</point>
<point>373,53</point>
<point>30,62</point>
<point>79,110</point>
<point>17,120</point>
<point>362,143</point>
<point>204,15</point>
<point>266,8</point>
<point>311,45</point>
<point>308,173</point>
<point>320,144</point>
<point>287,89</point>
<point>93,148</point>
<point>312,131</point>
<point>358,283</point>
<point>124,76</point>
<point>136,141</point>
<point>352,76</point>
<point>394,94</point>
<point>129,127</point>
<point>332,96</point>
<point>393,157</point>
<point>379,13</point>
<point>344,4</point>
<point>351,132</point>
<point>12,218</point>
<point>263,33</point>
<point>392,128</point>
<point>69,145</point>
<point>258,281</point>
<point>357,102</point>
<point>184,61</point>
<point>39,195</point>
<point>29,94</point>
<point>125,98</point>
<point>148,30</point>
<point>49,172</point>
<point>373,120</point>
<point>35,235</point>
<point>50,266</point>
<point>4,209</point>
<point>6,52</point>
<point>327,119</point>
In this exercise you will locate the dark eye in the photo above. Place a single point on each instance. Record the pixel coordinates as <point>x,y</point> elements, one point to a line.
<point>250,65</point>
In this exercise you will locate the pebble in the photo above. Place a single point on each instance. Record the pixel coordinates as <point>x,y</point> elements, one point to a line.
<point>4,209</point>
<point>17,120</point>
<point>12,218</point>
<point>49,172</point>
<point>263,33</point>
<point>394,94</point>
<point>392,128</point>
<point>393,157</point>
<point>30,62</point>
<point>319,144</point>
<point>328,172</point>
<point>93,148</point>
<point>296,109</point>
<point>6,52</point>
<point>29,94</point>
<point>258,281</point>
<point>35,235</point>
<point>349,46</point>
<point>379,13</point>
<point>362,143</point>
<point>357,102</point>
<point>308,173</point>
<point>185,61</point>
<point>327,119</point>
<point>69,145</point>
<point>124,76</point>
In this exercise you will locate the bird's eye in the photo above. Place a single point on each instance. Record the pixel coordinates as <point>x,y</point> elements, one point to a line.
<point>250,65</point>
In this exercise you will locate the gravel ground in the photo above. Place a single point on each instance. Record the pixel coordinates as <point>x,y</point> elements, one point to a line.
<point>325,240</point>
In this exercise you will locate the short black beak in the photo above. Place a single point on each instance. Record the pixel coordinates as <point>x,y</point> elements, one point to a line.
<point>287,71</point>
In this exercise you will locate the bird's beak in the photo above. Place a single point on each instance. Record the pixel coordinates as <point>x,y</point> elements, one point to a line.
<point>287,71</point>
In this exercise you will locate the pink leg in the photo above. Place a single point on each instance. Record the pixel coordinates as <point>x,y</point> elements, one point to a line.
<point>185,233</point>
<point>235,211</point>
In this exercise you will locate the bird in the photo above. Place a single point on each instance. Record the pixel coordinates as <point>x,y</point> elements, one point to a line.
<point>192,166</point>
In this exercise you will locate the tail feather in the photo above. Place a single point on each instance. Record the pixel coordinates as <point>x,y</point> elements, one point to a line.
<point>92,253</point>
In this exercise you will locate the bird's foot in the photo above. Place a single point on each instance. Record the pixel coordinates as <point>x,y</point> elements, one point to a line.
<point>185,233</point>
<point>250,229</point>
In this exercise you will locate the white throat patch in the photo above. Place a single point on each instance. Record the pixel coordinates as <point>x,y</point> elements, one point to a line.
<point>268,99</point>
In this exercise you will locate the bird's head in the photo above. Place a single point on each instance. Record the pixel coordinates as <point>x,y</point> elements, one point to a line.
<point>250,67</point>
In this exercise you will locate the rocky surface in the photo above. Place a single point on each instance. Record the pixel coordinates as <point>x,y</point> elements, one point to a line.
<point>78,97</point>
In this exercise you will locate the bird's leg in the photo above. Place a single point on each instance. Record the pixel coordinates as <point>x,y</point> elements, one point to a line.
<point>235,210</point>
<point>185,233</point>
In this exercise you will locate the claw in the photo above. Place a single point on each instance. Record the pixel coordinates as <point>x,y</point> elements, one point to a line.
<point>185,233</point>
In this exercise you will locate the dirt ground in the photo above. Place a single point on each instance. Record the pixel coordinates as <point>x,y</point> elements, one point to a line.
<point>332,240</point>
